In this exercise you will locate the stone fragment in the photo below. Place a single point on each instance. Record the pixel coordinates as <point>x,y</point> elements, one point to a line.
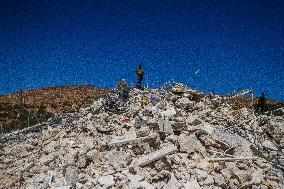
<point>208,181</point>
<point>141,122</point>
<point>170,112</point>
<point>243,151</point>
<point>143,184</point>
<point>268,145</point>
<point>97,106</point>
<point>106,181</point>
<point>200,175</point>
<point>220,134</point>
<point>71,175</point>
<point>173,183</point>
<point>189,143</point>
<point>192,184</point>
<point>130,139</point>
<point>281,161</point>
<point>123,140</point>
<point>104,129</point>
<point>162,164</point>
<point>196,122</point>
<point>279,112</point>
<point>193,121</point>
<point>118,159</point>
<point>132,177</point>
<point>21,168</point>
<point>184,103</point>
<point>165,126</point>
<point>219,180</point>
<point>233,183</point>
<point>179,124</point>
<point>148,158</point>
<point>179,89</point>
<point>82,162</point>
<point>154,99</point>
<point>153,123</point>
<point>143,132</point>
<point>50,147</point>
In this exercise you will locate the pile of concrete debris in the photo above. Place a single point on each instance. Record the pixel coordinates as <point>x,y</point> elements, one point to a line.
<point>156,139</point>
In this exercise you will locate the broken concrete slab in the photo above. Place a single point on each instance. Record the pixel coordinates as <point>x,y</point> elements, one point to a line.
<point>165,126</point>
<point>192,184</point>
<point>173,183</point>
<point>189,143</point>
<point>169,112</point>
<point>268,145</point>
<point>220,133</point>
<point>106,181</point>
<point>179,124</point>
<point>142,184</point>
<point>71,175</point>
<point>143,132</point>
<point>122,140</point>
<point>184,103</point>
<point>149,158</point>
<point>129,139</point>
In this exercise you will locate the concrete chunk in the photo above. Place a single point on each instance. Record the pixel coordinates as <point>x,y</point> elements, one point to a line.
<point>106,181</point>
<point>71,175</point>
<point>122,140</point>
<point>155,155</point>
<point>165,126</point>
<point>192,184</point>
<point>268,145</point>
<point>219,133</point>
<point>173,183</point>
<point>129,139</point>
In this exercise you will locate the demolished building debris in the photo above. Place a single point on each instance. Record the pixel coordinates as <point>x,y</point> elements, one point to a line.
<point>116,144</point>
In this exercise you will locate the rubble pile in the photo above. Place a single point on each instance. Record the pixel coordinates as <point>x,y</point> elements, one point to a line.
<point>155,139</point>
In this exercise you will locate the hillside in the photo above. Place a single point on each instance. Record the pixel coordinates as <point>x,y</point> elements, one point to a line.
<point>40,104</point>
<point>171,139</point>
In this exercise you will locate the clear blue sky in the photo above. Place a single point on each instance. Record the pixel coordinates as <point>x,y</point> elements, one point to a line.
<point>235,44</point>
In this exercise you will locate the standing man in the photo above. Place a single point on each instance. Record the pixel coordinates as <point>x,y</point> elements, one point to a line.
<point>123,90</point>
<point>140,74</point>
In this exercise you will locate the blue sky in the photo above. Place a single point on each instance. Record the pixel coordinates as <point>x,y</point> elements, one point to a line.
<point>234,44</point>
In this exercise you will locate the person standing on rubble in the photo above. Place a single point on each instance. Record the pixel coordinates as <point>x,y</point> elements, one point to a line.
<point>140,75</point>
<point>123,90</point>
<point>262,104</point>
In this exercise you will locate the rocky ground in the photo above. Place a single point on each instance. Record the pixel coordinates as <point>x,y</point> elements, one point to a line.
<point>156,139</point>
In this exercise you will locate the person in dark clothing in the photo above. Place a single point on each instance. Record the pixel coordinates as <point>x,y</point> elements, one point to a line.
<point>123,90</point>
<point>262,104</point>
<point>140,75</point>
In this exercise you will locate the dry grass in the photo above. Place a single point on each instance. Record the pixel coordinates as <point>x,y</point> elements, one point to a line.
<point>53,100</point>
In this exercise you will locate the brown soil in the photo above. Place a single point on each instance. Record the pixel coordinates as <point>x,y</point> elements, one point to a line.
<point>44,103</point>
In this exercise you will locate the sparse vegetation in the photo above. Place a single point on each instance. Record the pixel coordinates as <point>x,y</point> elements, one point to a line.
<point>28,108</point>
